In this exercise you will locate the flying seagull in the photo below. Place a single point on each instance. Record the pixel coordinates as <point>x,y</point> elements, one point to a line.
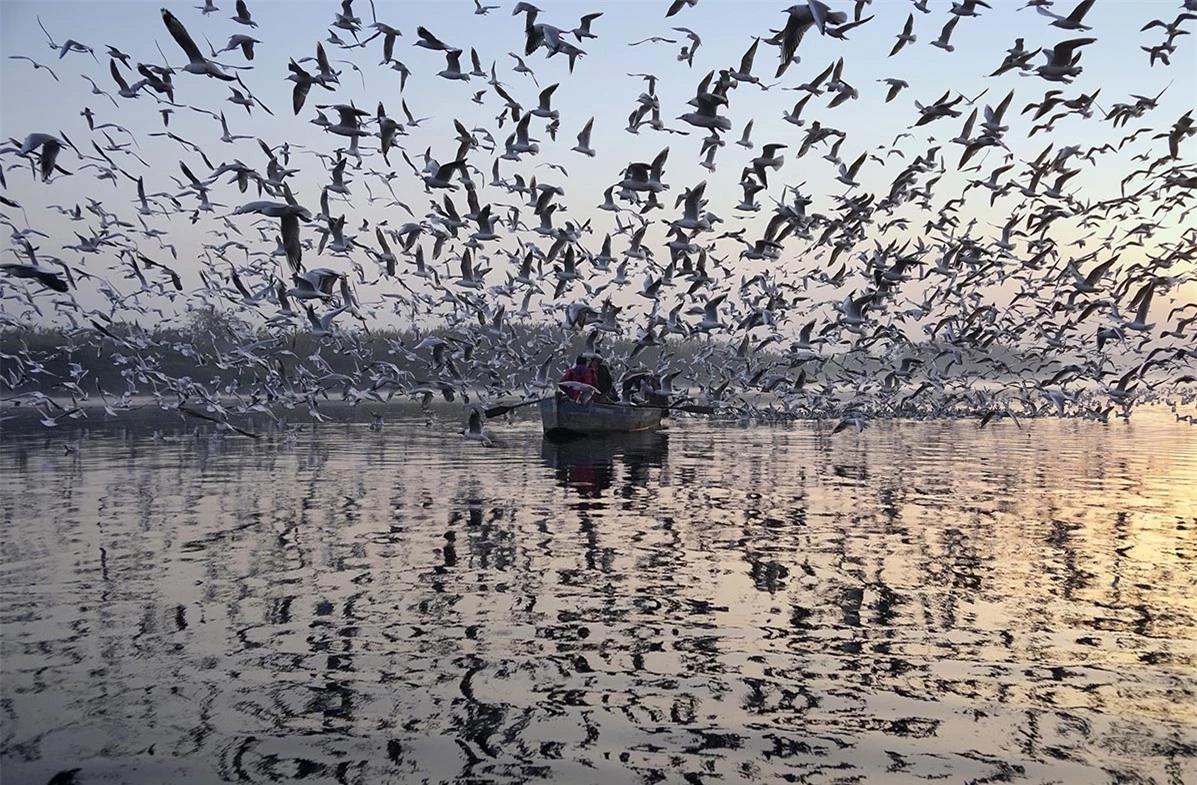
<point>197,64</point>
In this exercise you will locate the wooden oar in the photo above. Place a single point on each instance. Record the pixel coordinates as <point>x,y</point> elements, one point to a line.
<point>692,408</point>
<point>218,421</point>
<point>499,411</point>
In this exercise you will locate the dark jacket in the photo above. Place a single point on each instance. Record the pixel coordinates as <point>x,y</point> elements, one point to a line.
<point>605,383</point>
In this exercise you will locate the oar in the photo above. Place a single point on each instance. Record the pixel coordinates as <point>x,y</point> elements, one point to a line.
<point>498,411</point>
<point>219,421</point>
<point>692,408</point>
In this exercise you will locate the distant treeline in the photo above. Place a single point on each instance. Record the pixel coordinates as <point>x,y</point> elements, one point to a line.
<point>213,348</point>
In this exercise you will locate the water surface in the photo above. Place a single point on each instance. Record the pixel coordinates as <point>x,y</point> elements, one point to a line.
<point>924,601</point>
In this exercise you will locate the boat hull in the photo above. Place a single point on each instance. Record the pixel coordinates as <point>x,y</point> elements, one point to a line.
<point>564,417</point>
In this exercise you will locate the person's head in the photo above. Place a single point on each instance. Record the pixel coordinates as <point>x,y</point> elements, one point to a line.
<point>596,361</point>
<point>581,360</point>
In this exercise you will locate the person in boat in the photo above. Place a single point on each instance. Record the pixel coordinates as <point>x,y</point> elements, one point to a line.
<point>644,388</point>
<point>603,380</point>
<point>579,380</point>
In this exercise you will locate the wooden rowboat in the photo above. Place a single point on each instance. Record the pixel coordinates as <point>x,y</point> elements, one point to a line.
<point>564,417</point>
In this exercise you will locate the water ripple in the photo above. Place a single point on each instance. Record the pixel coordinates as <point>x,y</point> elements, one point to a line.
<point>923,601</point>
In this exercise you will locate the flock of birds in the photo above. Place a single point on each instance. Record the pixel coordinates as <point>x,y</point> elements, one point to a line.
<point>877,298</point>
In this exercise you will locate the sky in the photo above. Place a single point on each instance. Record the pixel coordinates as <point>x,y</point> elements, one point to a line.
<point>32,101</point>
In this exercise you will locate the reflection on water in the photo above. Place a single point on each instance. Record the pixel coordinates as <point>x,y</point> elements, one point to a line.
<point>587,465</point>
<point>920,602</point>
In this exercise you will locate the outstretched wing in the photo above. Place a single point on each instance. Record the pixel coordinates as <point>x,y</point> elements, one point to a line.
<point>182,37</point>
<point>116,75</point>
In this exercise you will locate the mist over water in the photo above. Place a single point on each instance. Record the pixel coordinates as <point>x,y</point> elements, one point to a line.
<point>920,602</point>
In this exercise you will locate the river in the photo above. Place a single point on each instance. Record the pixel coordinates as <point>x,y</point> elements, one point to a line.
<point>922,601</point>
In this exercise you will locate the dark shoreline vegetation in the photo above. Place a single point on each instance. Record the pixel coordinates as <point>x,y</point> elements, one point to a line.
<point>203,367</point>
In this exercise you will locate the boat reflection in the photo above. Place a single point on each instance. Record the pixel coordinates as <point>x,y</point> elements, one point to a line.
<point>587,465</point>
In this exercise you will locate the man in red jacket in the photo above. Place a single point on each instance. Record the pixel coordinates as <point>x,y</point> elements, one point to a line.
<point>581,373</point>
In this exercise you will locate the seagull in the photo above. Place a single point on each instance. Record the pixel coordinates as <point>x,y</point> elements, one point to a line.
<point>226,136</point>
<point>243,16</point>
<point>708,104</point>
<point>905,37</point>
<point>1143,298</point>
<point>583,28</point>
<point>71,45</point>
<point>441,175</point>
<point>125,89</point>
<point>895,86</point>
<point>316,284</point>
<point>49,145</point>
<point>474,429</point>
<point>655,39</point>
<point>847,176</point>
<point>47,278</point>
<point>1073,20</point>
<point>744,72</point>
<point>678,5</point>
<point>944,42</point>
<point>583,145</point>
<point>968,7</point>
<point>1062,60</point>
<point>37,66</point>
<point>543,108</point>
<point>794,116</point>
<point>345,20</point>
<point>686,55</point>
<point>96,91</point>
<point>710,315</point>
<point>430,41</point>
<point>744,140</point>
<point>290,214</point>
<point>243,42</point>
<point>322,326</point>
<point>802,17</point>
<point>197,64</point>
<point>348,120</point>
<point>453,66</point>
<point>522,68</point>
<point>646,177</point>
<point>852,311</point>
<point>857,422</point>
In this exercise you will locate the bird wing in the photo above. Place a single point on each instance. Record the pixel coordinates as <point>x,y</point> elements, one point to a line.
<point>116,75</point>
<point>946,32</point>
<point>430,38</point>
<point>445,171</point>
<point>315,322</point>
<point>749,56</point>
<point>182,37</point>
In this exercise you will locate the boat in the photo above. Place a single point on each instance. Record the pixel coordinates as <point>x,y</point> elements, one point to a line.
<point>565,418</point>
